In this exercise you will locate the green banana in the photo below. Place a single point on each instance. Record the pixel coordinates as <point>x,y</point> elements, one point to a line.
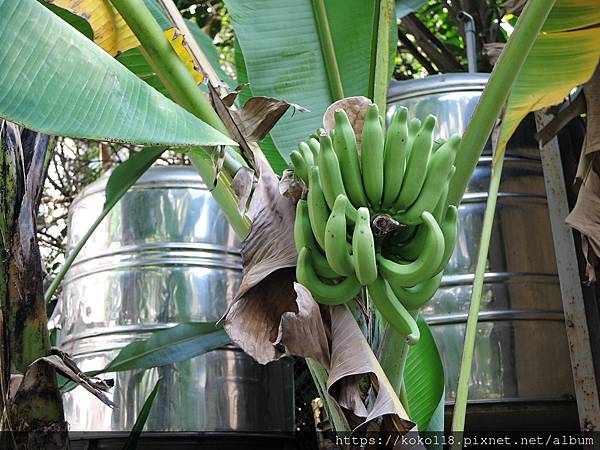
<point>394,159</point>
<point>315,148</point>
<point>336,245</point>
<point>414,125</point>
<point>414,297</point>
<point>331,177</point>
<point>318,211</point>
<point>303,237</point>
<point>437,177</point>
<point>317,134</point>
<point>449,229</point>
<point>346,149</point>
<point>328,294</point>
<point>413,248</point>
<point>393,311</point>
<point>373,143</point>
<point>426,264</point>
<point>416,167</point>
<point>307,154</point>
<point>300,168</point>
<point>437,144</point>
<point>363,248</point>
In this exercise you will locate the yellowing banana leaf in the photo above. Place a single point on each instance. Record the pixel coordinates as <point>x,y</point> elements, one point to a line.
<point>564,55</point>
<point>111,33</point>
<point>177,41</point>
<point>55,80</point>
<point>110,30</point>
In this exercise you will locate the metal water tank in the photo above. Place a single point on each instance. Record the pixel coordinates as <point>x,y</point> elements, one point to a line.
<point>164,255</point>
<point>521,354</point>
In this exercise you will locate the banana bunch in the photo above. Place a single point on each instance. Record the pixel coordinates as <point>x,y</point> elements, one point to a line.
<point>400,175</point>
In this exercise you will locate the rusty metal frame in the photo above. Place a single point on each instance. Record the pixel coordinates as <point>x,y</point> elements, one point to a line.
<point>582,365</point>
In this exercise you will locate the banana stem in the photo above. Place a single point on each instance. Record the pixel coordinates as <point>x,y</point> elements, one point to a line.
<point>331,65</point>
<point>496,93</point>
<point>166,63</point>
<point>382,60</point>
<point>462,393</point>
<point>182,87</point>
<point>393,355</point>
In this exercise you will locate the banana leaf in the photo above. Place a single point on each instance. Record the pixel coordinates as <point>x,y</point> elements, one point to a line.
<point>138,426</point>
<point>284,57</point>
<point>424,382</point>
<point>564,55</point>
<point>55,80</point>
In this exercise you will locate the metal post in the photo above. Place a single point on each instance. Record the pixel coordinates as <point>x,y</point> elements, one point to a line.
<point>584,377</point>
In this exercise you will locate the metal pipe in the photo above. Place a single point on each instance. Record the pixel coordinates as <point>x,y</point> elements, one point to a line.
<point>471,46</point>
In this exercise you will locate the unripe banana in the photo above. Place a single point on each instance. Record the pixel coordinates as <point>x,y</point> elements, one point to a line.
<point>395,156</point>
<point>413,248</point>
<point>307,154</point>
<point>303,237</point>
<point>416,167</point>
<point>437,177</point>
<point>317,206</point>
<point>328,294</point>
<point>373,142</point>
<point>449,228</point>
<point>346,149</point>
<point>315,148</point>
<point>317,134</point>
<point>336,245</point>
<point>363,248</point>
<point>393,311</point>
<point>414,297</point>
<point>331,177</point>
<point>300,168</point>
<point>414,125</point>
<point>426,264</point>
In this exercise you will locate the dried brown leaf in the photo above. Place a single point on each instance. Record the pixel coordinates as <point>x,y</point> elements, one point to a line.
<point>592,100</point>
<point>356,109</point>
<point>260,114</point>
<point>253,122</point>
<point>292,187</point>
<point>268,256</point>
<point>352,358</point>
<point>302,333</point>
<point>242,186</point>
<point>67,368</point>
<point>585,218</point>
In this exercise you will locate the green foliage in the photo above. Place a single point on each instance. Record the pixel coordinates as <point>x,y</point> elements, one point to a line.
<point>138,426</point>
<point>61,83</point>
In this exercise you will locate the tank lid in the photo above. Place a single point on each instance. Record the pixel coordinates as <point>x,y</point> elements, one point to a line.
<point>434,84</point>
<point>160,176</point>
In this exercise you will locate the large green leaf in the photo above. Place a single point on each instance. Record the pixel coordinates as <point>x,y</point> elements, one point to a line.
<point>55,80</point>
<point>563,56</point>
<point>284,58</point>
<point>169,346</point>
<point>267,145</point>
<point>424,381</point>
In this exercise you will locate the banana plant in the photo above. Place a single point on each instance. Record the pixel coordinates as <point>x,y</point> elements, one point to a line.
<point>56,80</point>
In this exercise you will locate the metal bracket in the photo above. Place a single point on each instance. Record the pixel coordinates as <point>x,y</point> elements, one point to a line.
<point>584,377</point>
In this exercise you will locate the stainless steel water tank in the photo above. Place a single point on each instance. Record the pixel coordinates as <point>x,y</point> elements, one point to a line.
<point>165,254</point>
<point>521,352</point>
